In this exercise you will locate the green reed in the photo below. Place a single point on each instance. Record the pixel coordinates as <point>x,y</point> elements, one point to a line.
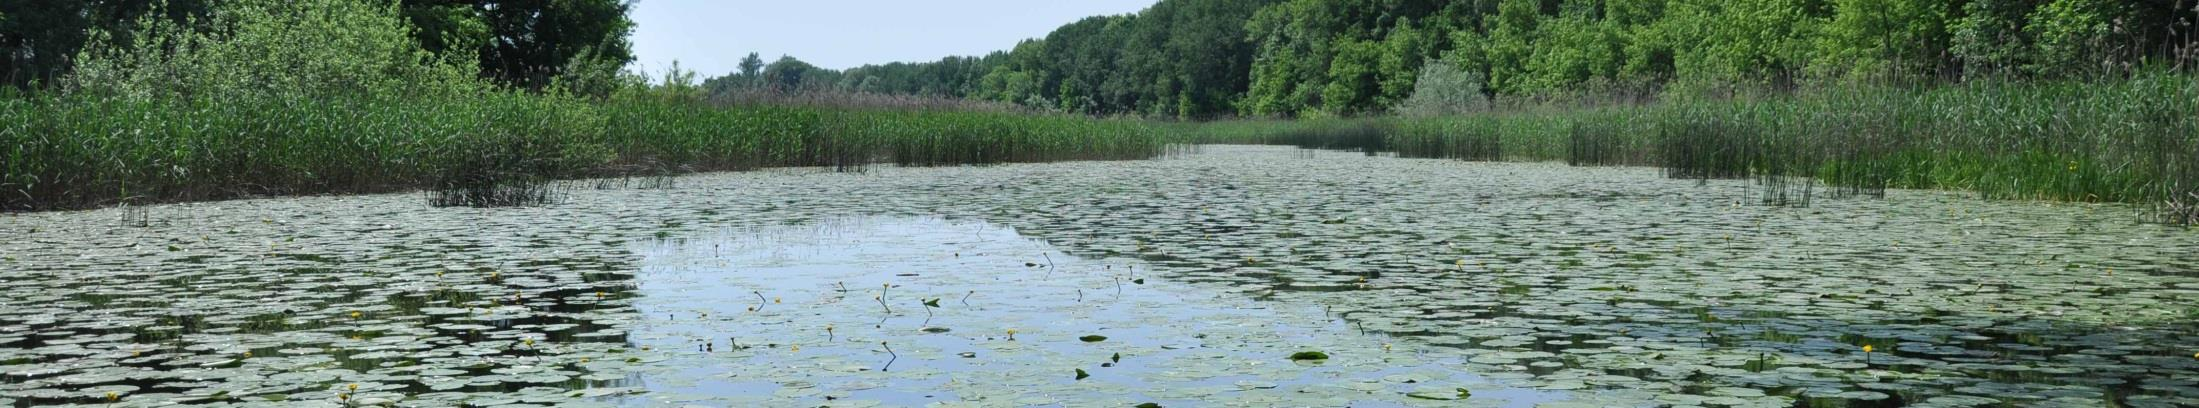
<point>2133,139</point>
<point>492,148</point>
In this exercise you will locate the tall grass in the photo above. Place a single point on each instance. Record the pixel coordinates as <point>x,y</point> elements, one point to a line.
<point>75,152</point>
<point>2133,139</point>
<point>236,105</point>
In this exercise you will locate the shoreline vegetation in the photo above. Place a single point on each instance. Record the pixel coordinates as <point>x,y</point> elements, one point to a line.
<point>222,101</point>
<point>2131,140</point>
<point>232,107</point>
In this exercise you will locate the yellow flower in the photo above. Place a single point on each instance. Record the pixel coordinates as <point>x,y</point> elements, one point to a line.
<point>797,348</point>
<point>355,314</point>
<point>1866,348</point>
<point>111,396</point>
<point>354,387</point>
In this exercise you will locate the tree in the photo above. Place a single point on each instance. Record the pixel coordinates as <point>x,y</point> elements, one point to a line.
<point>1883,38</point>
<point>525,43</point>
<point>2073,36</point>
<point>1988,40</point>
<point>249,50</point>
<point>1352,81</point>
<point>39,39</point>
<point>790,75</point>
<point>1443,89</point>
<point>752,66</point>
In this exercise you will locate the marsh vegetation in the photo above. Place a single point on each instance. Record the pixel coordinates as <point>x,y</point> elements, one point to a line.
<point>1765,203</point>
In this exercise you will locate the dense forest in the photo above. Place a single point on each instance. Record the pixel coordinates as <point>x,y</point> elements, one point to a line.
<point>1267,58</point>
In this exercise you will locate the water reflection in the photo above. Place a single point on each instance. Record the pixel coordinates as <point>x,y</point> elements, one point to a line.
<point>806,314</point>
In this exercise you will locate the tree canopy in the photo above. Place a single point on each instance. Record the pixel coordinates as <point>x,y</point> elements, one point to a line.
<point>522,43</point>
<point>1210,58</point>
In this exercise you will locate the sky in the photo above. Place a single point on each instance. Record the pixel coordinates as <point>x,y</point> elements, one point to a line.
<point>710,36</point>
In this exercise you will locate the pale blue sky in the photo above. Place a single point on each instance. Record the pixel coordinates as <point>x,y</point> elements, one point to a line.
<point>710,36</point>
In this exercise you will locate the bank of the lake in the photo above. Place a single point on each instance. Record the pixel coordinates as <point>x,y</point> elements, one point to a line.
<point>2131,140</point>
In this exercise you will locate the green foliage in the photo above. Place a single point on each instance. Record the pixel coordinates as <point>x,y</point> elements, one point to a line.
<point>2130,140</point>
<point>236,105</point>
<point>1883,38</point>
<point>1184,59</point>
<point>1988,40</point>
<point>1442,90</point>
<point>39,38</point>
<point>524,43</point>
<point>1318,58</point>
<point>2073,37</point>
<point>249,49</point>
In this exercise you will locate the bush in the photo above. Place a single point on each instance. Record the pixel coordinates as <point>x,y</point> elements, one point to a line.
<point>1442,90</point>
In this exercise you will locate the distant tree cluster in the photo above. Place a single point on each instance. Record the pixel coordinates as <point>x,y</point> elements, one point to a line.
<point>1210,58</point>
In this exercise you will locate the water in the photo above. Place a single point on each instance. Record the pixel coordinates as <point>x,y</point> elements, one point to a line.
<point>1524,283</point>
<point>867,279</point>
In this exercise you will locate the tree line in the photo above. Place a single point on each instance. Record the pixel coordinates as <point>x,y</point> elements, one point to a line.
<point>1290,58</point>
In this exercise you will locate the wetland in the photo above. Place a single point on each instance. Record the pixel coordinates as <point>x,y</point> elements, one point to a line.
<point>1219,274</point>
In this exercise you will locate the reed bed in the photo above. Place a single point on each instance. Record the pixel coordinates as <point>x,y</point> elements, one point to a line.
<point>497,148</point>
<point>2133,139</point>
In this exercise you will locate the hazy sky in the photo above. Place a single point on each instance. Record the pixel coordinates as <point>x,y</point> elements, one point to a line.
<point>710,36</point>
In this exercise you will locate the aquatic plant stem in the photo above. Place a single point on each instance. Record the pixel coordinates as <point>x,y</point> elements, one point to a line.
<point>889,351</point>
